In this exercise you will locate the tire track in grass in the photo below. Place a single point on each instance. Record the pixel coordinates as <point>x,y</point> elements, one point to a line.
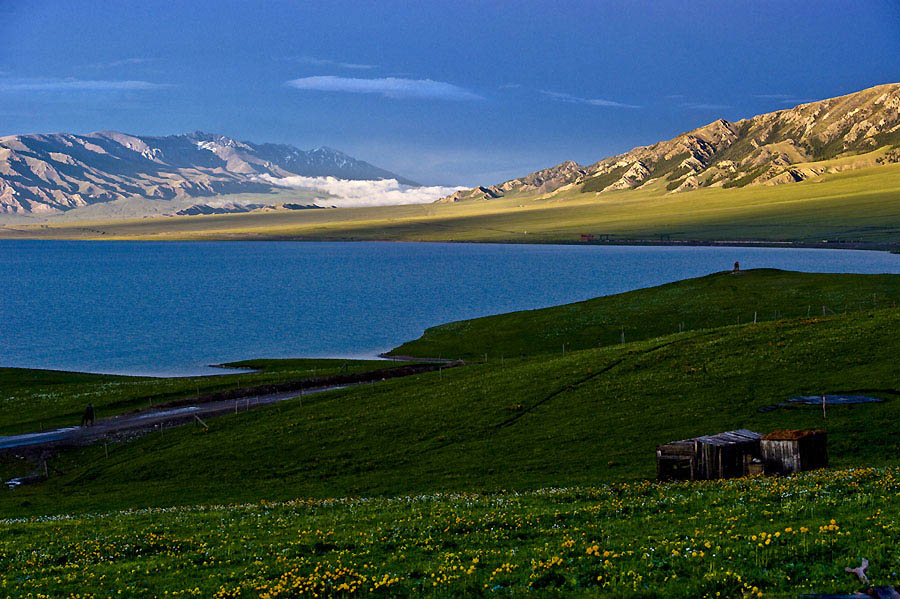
<point>568,387</point>
<point>572,386</point>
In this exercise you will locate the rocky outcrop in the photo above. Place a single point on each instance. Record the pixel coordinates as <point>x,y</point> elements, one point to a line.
<point>542,181</point>
<point>770,149</point>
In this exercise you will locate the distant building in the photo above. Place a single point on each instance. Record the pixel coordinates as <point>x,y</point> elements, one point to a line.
<point>725,455</point>
<point>784,452</point>
<point>742,452</point>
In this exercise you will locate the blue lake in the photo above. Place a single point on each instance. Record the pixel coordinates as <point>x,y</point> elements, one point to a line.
<point>173,308</point>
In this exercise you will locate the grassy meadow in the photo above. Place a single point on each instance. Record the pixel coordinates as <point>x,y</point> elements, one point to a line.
<point>527,475</point>
<point>593,415</point>
<point>758,537</point>
<point>854,206</point>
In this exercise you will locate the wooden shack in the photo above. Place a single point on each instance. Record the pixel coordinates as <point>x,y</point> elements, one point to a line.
<point>784,452</point>
<point>725,455</point>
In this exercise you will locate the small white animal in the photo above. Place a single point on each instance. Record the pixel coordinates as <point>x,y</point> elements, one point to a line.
<point>860,571</point>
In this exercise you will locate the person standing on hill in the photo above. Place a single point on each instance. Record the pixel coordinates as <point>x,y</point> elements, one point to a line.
<point>87,419</point>
<point>737,268</point>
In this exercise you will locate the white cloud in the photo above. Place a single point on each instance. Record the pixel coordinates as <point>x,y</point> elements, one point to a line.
<point>789,99</point>
<point>325,62</point>
<point>389,87</point>
<point>121,63</point>
<point>386,192</point>
<point>69,84</point>
<point>563,97</point>
<point>703,106</point>
<point>774,96</point>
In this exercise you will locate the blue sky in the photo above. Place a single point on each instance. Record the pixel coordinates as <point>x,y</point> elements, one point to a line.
<point>442,92</point>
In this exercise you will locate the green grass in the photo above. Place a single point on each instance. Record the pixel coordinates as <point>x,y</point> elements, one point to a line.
<point>701,303</point>
<point>746,179</point>
<point>762,537</point>
<point>589,416</point>
<point>859,205</point>
<point>35,399</point>
<point>601,182</point>
<point>524,477</point>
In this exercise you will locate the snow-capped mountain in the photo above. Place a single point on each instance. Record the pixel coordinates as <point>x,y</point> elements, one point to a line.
<point>51,173</point>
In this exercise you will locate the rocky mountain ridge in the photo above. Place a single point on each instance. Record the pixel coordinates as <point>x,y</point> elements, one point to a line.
<point>769,149</point>
<point>52,173</point>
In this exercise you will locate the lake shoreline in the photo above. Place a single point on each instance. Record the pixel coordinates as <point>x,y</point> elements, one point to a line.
<point>156,307</point>
<point>10,232</point>
<point>822,245</point>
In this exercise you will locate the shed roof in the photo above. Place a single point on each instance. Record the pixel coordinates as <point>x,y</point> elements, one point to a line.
<point>789,435</point>
<point>741,435</point>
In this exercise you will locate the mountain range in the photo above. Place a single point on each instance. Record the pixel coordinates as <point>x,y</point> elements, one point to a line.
<point>110,173</point>
<point>57,172</point>
<point>770,149</point>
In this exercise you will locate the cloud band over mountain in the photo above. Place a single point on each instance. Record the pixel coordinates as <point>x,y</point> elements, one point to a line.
<point>385,192</point>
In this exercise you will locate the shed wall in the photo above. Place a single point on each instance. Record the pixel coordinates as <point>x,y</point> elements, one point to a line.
<point>780,457</point>
<point>784,456</point>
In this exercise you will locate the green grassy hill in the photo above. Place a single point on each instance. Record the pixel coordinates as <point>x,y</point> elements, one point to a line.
<point>260,503</point>
<point>590,416</point>
<point>702,303</point>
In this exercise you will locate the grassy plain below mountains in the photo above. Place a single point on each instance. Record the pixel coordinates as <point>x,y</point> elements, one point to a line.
<point>857,206</point>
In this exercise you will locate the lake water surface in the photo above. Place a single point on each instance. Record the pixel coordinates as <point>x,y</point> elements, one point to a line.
<point>171,308</point>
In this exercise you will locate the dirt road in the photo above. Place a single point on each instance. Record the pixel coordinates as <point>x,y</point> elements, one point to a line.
<point>197,409</point>
<point>82,435</point>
